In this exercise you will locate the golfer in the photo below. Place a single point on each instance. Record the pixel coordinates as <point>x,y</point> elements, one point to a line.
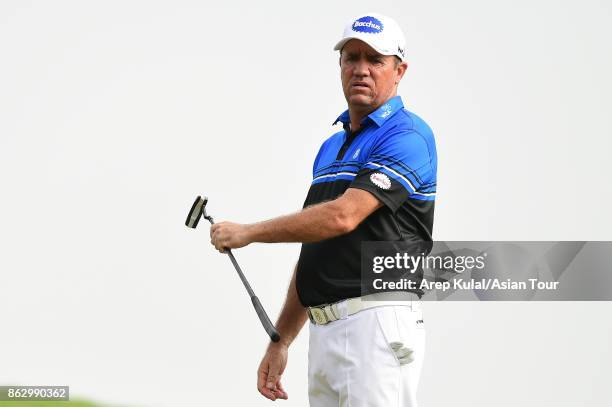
<point>375,180</point>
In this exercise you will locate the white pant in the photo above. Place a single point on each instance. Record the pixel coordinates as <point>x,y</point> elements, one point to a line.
<point>370,359</point>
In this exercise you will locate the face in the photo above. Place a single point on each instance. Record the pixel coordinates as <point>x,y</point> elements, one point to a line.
<point>368,78</point>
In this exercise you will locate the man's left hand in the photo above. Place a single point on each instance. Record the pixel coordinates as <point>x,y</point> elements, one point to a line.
<point>228,235</point>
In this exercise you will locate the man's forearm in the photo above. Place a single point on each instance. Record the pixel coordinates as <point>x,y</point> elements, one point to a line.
<point>292,316</point>
<point>312,224</point>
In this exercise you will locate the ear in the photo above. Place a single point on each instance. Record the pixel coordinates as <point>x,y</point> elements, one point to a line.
<point>401,70</point>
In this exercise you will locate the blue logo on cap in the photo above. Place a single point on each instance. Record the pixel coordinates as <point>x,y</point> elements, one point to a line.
<point>368,24</point>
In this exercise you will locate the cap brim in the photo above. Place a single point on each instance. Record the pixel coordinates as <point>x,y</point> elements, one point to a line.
<point>343,42</point>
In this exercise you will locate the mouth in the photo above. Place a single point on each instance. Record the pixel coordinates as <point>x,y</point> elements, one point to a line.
<point>360,88</point>
<point>360,85</point>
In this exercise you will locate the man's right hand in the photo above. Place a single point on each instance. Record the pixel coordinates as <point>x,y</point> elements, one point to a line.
<point>270,370</point>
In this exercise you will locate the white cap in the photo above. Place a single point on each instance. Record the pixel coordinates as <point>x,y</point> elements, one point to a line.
<point>379,32</point>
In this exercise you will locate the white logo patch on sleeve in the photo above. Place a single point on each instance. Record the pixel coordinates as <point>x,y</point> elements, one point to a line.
<point>380,180</point>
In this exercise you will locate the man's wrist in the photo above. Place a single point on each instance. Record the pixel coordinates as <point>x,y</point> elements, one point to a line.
<point>250,232</point>
<point>283,343</point>
<point>285,339</point>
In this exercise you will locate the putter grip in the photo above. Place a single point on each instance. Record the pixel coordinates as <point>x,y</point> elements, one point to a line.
<point>265,321</point>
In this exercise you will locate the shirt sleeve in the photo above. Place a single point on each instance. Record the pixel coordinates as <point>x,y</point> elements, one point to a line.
<point>400,166</point>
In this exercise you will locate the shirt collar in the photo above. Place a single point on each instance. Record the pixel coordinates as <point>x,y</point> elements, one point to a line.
<point>378,116</point>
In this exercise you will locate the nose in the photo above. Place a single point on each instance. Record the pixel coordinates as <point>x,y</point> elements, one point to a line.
<point>361,68</point>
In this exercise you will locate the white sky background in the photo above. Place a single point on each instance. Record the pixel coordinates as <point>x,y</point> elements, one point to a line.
<point>114,115</point>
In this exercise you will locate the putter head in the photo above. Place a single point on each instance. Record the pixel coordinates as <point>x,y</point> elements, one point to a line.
<point>198,209</point>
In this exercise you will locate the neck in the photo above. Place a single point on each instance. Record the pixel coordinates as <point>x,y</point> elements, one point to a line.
<point>357,116</point>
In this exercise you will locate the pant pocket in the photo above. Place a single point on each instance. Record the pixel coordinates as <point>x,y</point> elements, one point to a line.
<point>395,339</point>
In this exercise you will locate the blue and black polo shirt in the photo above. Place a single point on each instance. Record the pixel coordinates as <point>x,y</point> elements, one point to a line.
<point>393,156</point>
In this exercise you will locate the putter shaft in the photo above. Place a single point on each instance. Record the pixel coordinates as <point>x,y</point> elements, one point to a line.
<point>199,209</point>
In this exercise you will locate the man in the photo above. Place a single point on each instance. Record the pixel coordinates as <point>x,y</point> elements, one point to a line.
<point>373,181</point>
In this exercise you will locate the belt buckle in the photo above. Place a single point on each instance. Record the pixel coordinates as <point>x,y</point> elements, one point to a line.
<point>317,315</point>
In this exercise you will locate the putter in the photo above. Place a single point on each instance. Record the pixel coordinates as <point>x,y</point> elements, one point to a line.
<point>198,210</point>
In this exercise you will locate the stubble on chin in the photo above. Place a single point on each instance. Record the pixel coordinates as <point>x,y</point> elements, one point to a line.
<point>361,101</point>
